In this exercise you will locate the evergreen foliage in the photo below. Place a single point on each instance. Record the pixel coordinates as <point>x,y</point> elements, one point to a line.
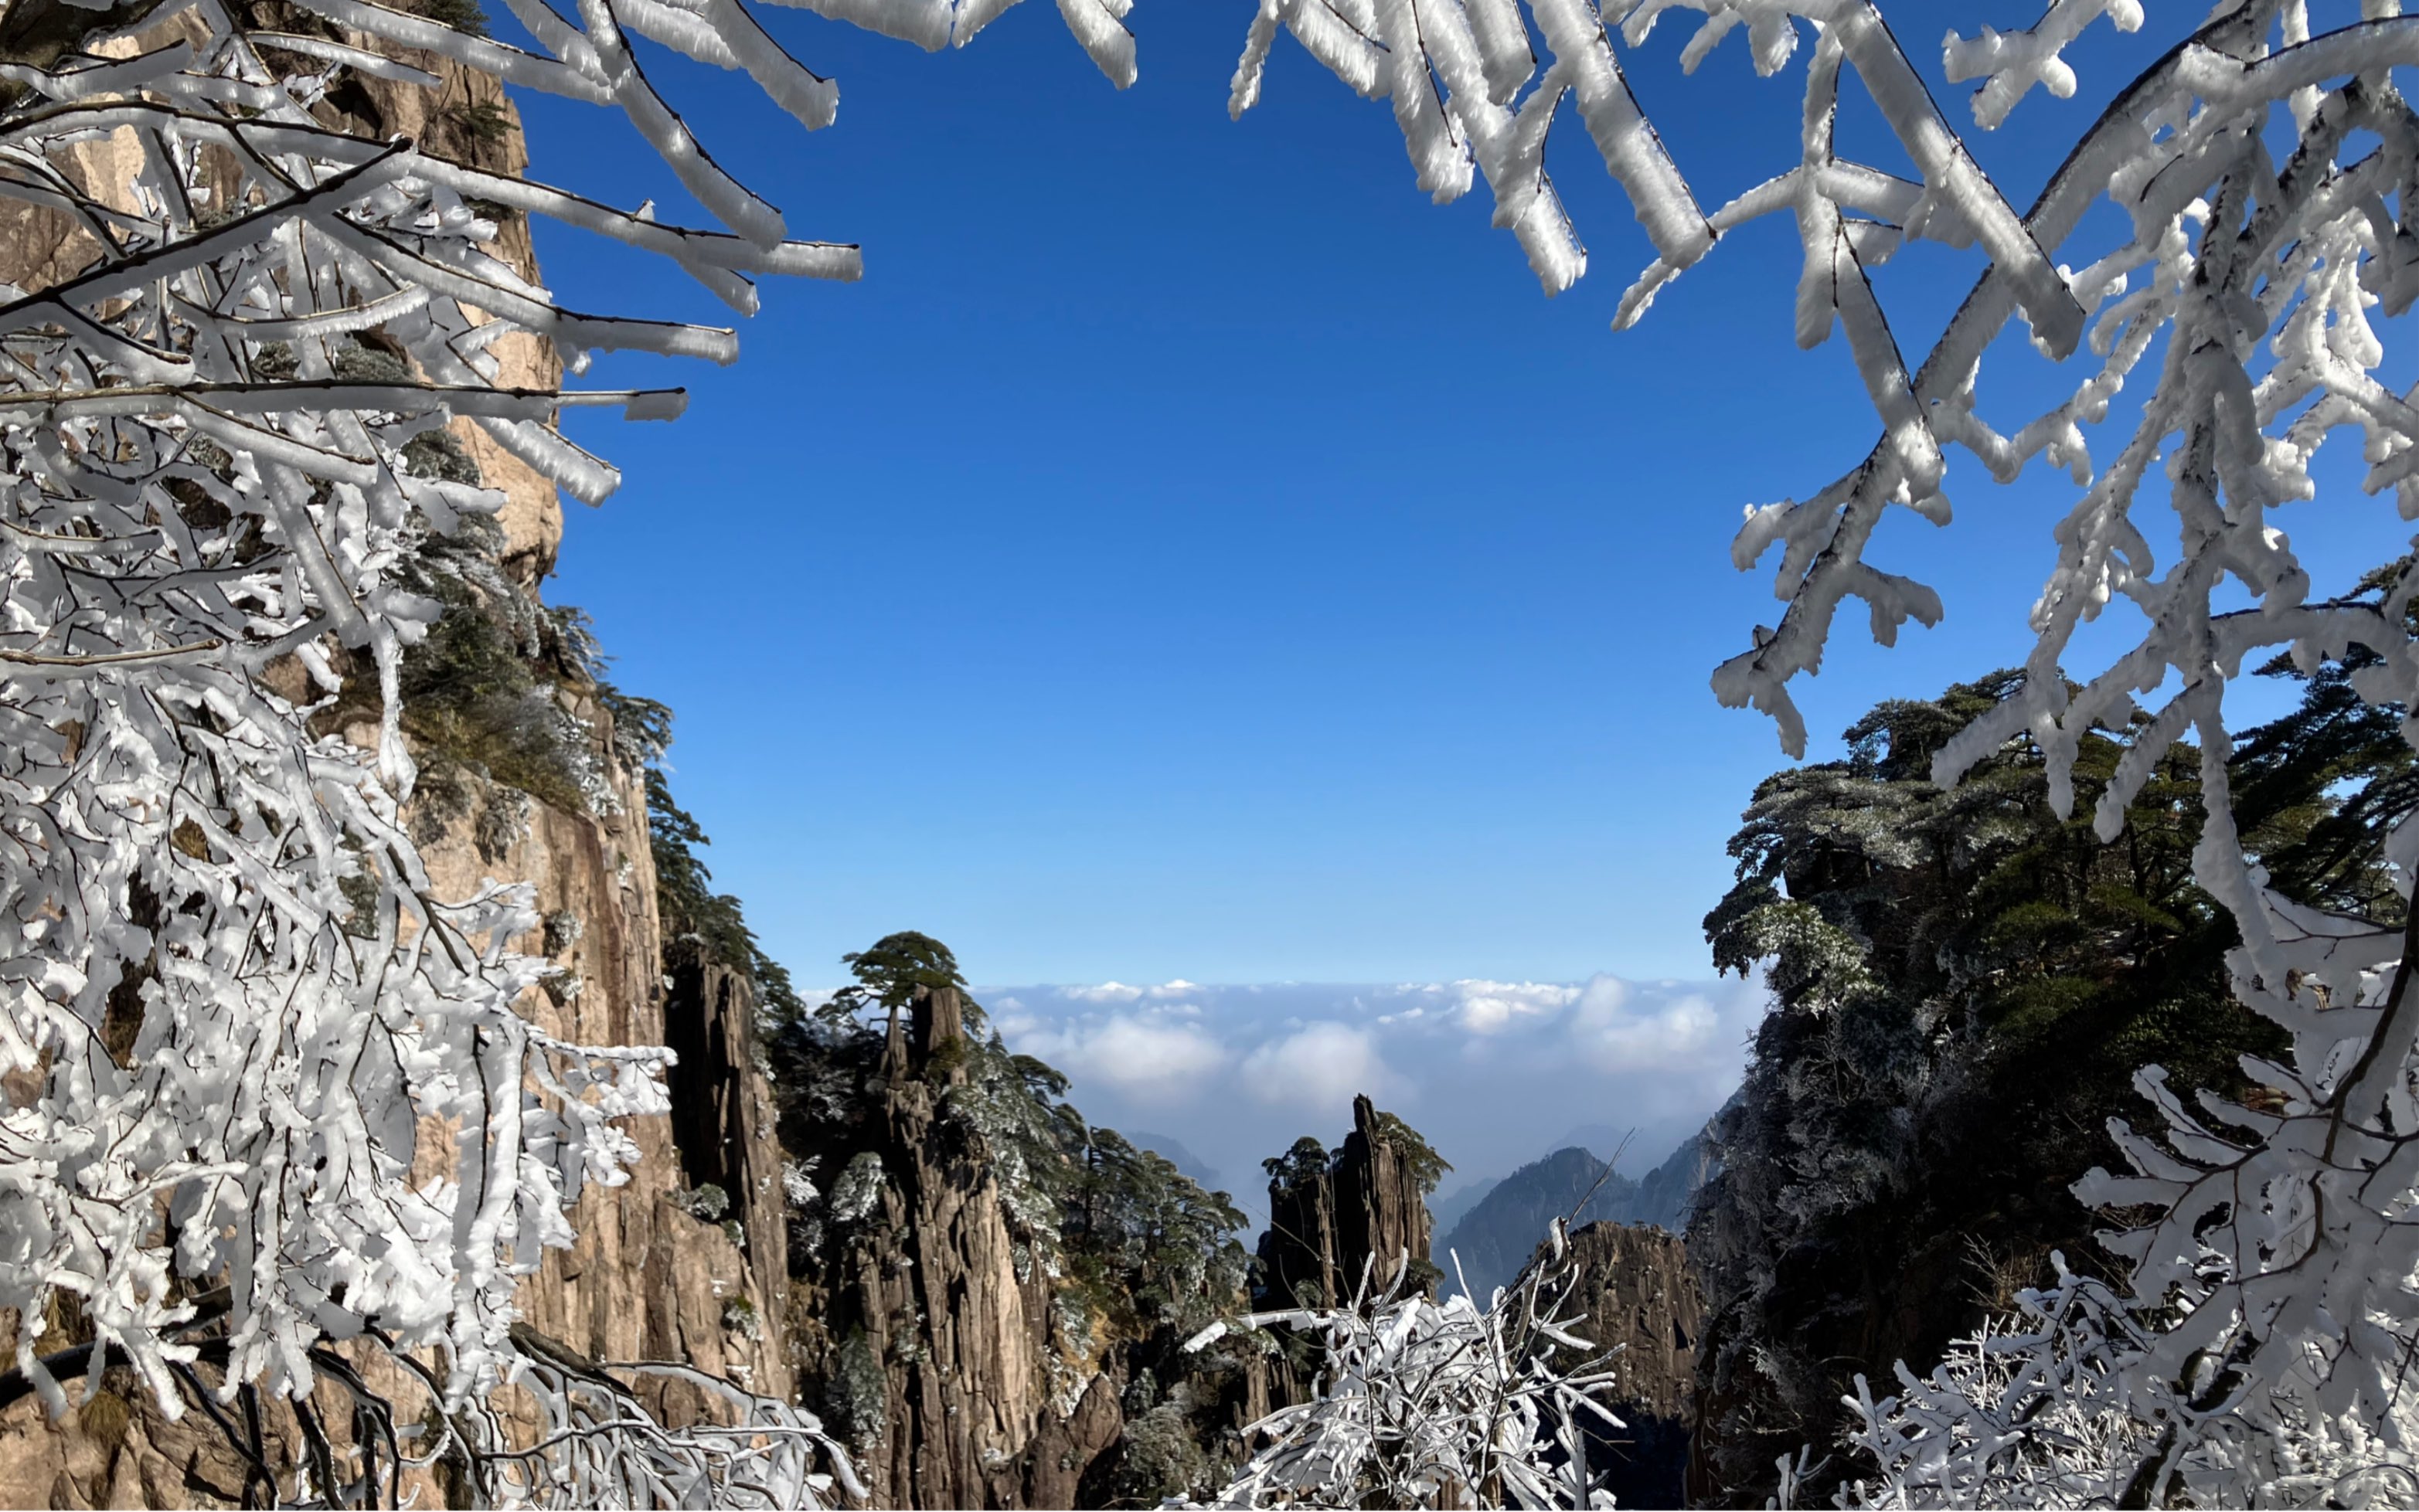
<point>1963,985</point>
<point>1164,1247</point>
<point>1305,1258</point>
<point>466,15</point>
<point>1307,1161</point>
<point>1135,1254</point>
<point>890,971</point>
<point>1142,1241</point>
<point>491,688</point>
<point>481,688</point>
<point>1426,1167</point>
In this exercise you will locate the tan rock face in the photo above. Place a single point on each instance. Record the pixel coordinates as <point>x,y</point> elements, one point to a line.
<point>1364,1211</point>
<point>1382,1211</point>
<point>1358,1215</point>
<point>1641,1300</point>
<point>647,1279</point>
<point>929,1312</point>
<point>445,121</point>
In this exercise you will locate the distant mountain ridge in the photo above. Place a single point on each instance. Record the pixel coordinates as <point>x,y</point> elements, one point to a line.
<point>1667,1193</point>
<point>1446,1208</point>
<point>1495,1236</point>
<point>1171,1150</point>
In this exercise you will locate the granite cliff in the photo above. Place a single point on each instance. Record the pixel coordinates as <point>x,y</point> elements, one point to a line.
<point>1641,1299</point>
<point>990,1295</point>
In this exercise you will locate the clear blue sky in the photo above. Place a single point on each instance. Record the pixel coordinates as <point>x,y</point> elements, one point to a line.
<point>1189,553</point>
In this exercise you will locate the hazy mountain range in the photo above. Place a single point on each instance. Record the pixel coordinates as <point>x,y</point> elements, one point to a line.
<point>1492,1230</point>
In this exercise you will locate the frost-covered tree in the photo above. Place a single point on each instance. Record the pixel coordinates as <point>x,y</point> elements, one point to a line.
<point>1963,985</point>
<point>229,980</point>
<point>2233,233</point>
<point>274,1118</point>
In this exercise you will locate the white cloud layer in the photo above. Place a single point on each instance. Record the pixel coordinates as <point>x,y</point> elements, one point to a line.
<point>1317,1069</point>
<point>1105,992</point>
<point>1143,1058</point>
<point>1496,1074</point>
<point>1489,1007</point>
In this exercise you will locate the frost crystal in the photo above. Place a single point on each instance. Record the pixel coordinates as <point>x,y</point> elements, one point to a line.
<point>858,1191</point>
<point>796,1189</point>
<point>1434,1404</point>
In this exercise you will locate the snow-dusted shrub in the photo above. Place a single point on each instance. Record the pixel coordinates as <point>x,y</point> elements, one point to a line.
<point>1436,1404</point>
<point>858,1191</point>
<point>2232,235</point>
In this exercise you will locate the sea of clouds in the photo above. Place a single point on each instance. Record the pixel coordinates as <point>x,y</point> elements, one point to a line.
<point>1495,1074</point>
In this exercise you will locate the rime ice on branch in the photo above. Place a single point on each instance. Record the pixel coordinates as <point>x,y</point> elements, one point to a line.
<point>235,1003</point>
<point>1427,1403</point>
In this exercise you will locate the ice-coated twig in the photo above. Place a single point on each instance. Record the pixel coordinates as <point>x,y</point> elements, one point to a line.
<point>1422,1403</point>
<point>238,1002</point>
<point>2259,259</point>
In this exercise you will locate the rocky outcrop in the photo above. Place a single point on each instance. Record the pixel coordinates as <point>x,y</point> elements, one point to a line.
<point>1640,1300</point>
<point>725,1128</point>
<point>990,1297</point>
<point>1336,1222</point>
<point>932,1331</point>
<point>1364,1209</point>
<point>654,1274</point>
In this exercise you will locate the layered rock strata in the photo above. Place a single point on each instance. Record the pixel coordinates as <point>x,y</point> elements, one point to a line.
<point>1334,1221</point>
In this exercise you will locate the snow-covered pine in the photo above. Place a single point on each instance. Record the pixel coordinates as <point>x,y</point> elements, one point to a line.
<point>1437,1404</point>
<point>231,1003</point>
<point>2263,173</point>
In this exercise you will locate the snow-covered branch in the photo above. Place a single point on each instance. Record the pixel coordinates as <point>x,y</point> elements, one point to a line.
<point>274,1110</point>
<point>2262,175</point>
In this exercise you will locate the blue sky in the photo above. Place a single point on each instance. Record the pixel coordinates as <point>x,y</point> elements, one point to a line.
<point>1189,554</point>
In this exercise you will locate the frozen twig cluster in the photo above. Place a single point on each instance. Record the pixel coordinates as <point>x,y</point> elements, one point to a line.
<point>253,1055</point>
<point>2262,176</point>
<point>600,1445</point>
<point>2027,1415</point>
<point>2050,1410</point>
<point>1438,1404</point>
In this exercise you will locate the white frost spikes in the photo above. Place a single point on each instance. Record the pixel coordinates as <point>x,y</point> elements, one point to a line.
<point>2252,245</point>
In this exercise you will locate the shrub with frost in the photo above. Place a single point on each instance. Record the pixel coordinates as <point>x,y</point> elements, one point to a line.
<point>1421,1403</point>
<point>225,972</point>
